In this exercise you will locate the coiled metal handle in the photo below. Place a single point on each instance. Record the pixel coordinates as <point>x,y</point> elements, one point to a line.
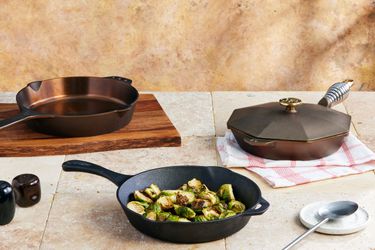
<point>337,93</point>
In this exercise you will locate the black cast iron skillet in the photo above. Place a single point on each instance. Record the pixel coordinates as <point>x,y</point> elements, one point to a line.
<point>245,191</point>
<point>75,106</point>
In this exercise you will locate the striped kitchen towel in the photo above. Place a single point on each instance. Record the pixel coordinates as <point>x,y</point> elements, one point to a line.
<point>353,157</point>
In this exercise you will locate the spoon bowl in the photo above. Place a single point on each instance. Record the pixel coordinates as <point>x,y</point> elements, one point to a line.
<point>337,209</point>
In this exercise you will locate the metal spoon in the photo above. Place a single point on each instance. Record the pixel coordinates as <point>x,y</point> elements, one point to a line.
<point>330,211</point>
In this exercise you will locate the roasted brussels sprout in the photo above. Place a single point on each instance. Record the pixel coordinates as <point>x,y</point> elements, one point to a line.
<point>200,218</point>
<point>220,207</point>
<point>211,196</point>
<point>184,211</point>
<point>183,220</point>
<point>210,213</point>
<point>236,206</point>
<point>136,206</point>
<point>165,202</point>
<point>184,197</point>
<point>153,191</point>
<point>151,215</point>
<point>226,192</point>
<point>155,207</point>
<point>141,197</point>
<point>227,214</point>
<point>162,216</point>
<point>195,184</point>
<point>173,217</point>
<point>199,204</point>
<point>193,201</point>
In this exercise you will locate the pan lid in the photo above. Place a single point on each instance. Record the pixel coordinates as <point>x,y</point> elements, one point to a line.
<point>289,119</point>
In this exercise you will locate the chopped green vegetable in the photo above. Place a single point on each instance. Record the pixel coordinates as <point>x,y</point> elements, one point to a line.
<point>141,197</point>
<point>136,206</point>
<point>193,201</point>
<point>226,192</point>
<point>236,206</point>
<point>173,217</point>
<point>184,211</point>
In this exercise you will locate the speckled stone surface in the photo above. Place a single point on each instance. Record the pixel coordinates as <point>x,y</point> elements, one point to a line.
<point>80,211</point>
<point>190,44</point>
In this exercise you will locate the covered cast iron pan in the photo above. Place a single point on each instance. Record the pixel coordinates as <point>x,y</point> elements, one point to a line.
<point>245,191</point>
<point>75,106</point>
<point>290,130</point>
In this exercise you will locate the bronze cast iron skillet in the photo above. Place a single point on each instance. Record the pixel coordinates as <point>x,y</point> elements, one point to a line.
<point>293,130</point>
<point>75,106</point>
<point>245,191</point>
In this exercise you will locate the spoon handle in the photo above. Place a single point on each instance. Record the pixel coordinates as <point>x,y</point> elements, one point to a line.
<point>299,238</point>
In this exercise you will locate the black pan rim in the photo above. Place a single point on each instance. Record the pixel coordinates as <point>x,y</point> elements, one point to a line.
<point>190,223</point>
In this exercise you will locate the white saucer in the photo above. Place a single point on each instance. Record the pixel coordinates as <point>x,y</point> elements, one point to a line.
<point>350,224</point>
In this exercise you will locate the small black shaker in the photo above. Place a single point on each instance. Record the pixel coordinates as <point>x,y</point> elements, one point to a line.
<point>7,203</point>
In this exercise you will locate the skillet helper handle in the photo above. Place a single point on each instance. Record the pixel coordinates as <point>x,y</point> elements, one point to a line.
<point>336,94</point>
<point>23,116</point>
<point>264,205</point>
<point>88,167</point>
<point>120,78</point>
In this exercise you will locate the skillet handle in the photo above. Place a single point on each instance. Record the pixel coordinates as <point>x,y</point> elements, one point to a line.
<point>20,117</point>
<point>120,78</point>
<point>88,167</point>
<point>264,205</point>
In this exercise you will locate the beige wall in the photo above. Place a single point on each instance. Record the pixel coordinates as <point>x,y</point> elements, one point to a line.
<point>190,44</point>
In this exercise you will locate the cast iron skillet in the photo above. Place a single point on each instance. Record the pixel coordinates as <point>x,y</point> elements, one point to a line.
<point>75,106</point>
<point>245,191</point>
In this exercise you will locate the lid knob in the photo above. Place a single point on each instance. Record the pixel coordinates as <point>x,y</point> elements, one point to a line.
<point>290,103</point>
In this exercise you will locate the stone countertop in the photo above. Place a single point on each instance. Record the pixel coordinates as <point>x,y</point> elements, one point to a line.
<point>80,211</point>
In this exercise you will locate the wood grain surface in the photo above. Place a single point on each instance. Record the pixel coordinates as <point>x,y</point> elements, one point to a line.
<point>150,127</point>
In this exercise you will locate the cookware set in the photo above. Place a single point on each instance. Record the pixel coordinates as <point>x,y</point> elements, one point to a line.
<point>69,106</point>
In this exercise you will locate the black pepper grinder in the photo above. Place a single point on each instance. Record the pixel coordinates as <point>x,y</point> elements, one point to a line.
<point>27,189</point>
<point>7,203</point>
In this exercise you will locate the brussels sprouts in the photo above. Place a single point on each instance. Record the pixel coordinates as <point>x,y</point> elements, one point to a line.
<point>162,216</point>
<point>153,191</point>
<point>226,192</point>
<point>210,213</point>
<point>136,206</point>
<point>200,218</point>
<point>151,215</point>
<point>141,197</point>
<point>220,208</point>
<point>199,204</point>
<point>193,201</point>
<point>236,206</point>
<point>169,192</point>
<point>184,211</point>
<point>183,220</point>
<point>184,187</point>
<point>195,184</point>
<point>211,196</point>
<point>173,217</point>
<point>184,197</point>
<point>165,202</point>
<point>227,214</point>
<point>155,207</point>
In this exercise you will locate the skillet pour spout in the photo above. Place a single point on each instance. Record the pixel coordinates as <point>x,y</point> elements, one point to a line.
<point>293,130</point>
<point>245,190</point>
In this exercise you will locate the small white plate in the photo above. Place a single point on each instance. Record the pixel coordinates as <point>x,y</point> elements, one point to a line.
<point>350,224</point>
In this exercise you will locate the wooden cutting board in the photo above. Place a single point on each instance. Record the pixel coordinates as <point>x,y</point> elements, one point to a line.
<point>150,127</point>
